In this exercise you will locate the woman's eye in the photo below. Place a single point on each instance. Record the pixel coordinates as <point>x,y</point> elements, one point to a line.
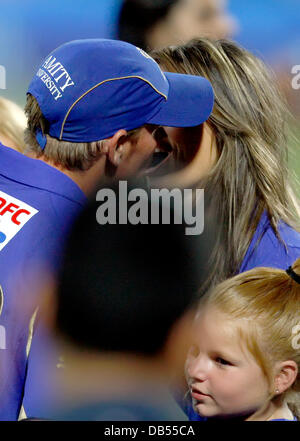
<point>223,362</point>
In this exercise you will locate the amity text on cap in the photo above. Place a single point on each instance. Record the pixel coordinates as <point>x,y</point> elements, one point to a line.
<point>55,77</point>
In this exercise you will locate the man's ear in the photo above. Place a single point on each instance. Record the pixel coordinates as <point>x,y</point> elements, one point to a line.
<point>115,146</point>
<point>287,372</point>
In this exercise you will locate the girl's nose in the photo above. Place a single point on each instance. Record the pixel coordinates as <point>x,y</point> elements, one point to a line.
<point>197,368</point>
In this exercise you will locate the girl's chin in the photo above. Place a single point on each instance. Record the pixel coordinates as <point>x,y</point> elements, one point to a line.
<point>204,411</point>
<point>212,414</point>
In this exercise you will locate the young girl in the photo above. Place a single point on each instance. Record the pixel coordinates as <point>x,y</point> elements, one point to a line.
<point>245,360</point>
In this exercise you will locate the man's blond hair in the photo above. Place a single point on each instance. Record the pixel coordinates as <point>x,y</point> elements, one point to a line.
<point>70,155</point>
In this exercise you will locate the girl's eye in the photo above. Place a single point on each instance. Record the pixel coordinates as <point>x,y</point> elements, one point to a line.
<point>223,362</point>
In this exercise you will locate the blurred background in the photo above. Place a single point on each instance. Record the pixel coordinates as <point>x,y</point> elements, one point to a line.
<point>30,29</point>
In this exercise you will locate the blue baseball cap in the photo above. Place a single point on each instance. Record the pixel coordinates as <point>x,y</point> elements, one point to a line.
<point>90,89</point>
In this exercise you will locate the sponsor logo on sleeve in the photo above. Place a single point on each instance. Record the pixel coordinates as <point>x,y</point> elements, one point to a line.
<point>14,214</point>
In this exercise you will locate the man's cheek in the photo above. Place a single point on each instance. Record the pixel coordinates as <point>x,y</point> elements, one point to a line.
<point>130,166</point>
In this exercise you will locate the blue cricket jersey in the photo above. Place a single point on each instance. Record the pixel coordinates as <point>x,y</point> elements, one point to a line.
<point>38,204</point>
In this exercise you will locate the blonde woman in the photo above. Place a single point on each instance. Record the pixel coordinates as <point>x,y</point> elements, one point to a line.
<point>239,156</point>
<point>12,125</point>
<point>245,359</point>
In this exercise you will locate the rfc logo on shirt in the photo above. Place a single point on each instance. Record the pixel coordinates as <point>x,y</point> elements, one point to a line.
<point>14,214</point>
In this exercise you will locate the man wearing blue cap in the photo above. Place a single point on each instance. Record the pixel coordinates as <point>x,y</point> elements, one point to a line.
<point>91,108</point>
<point>94,90</point>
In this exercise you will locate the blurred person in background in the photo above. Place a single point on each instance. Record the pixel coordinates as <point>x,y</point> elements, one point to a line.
<point>239,157</point>
<point>87,121</point>
<point>122,313</point>
<point>12,125</point>
<point>153,24</point>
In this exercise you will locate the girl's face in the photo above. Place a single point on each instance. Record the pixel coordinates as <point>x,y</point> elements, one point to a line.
<point>223,377</point>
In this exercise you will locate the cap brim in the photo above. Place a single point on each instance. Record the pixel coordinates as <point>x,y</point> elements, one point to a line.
<point>190,101</point>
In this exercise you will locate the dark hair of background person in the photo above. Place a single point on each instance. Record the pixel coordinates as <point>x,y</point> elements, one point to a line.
<point>122,287</point>
<point>137,17</point>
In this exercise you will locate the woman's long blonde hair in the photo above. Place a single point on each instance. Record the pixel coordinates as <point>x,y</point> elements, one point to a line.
<point>266,304</point>
<point>249,122</point>
<point>12,123</point>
